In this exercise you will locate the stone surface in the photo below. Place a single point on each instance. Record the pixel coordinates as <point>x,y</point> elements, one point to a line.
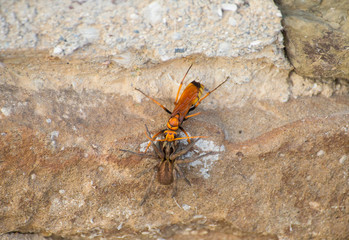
<point>157,30</point>
<point>301,86</point>
<point>67,104</point>
<point>62,174</point>
<point>258,79</point>
<point>241,39</point>
<point>317,37</point>
<point>19,236</point>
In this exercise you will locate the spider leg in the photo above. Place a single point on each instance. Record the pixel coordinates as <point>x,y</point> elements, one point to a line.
<point>136,153</point>
<point>183,151</point>
<point>146,171</point>
<point>180,172</point>
<point>174,191</point>
<point>146,195</point>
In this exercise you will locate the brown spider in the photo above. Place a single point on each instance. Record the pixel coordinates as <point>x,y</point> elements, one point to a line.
<point>167,168</point>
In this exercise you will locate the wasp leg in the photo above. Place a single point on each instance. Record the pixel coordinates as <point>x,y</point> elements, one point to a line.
<point>185,132</point>
<point>187,135</point>
<point>185,138</point>
<point>156,148</point>
<point>180,172</point>
<point>197,104</point>
<point>192,115</point>
<point>162,106</point>
<point>152,139</point>
<point>148,189</point>
<point>180,85</point>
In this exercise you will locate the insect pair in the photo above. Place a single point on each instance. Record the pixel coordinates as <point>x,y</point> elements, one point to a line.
<point>168,149</point>
<point>167,169</point>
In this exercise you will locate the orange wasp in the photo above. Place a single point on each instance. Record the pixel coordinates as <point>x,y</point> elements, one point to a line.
<point>188,101</point>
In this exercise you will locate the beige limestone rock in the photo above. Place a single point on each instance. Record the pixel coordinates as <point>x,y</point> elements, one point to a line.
<point>62,175</point>
<point>317,37</point>
<point>302,86</point>
<point>64,117</point>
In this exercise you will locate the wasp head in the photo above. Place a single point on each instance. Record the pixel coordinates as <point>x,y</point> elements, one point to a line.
<point>170,135</point>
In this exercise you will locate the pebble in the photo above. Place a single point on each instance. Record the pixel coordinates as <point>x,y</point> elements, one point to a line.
<point>220,12</point>
<point>320,153</point>
<point>153,13</point>
<point>343,159</point>
<point>229,7</point>
<point>180,50</point>
<point>57,50</point>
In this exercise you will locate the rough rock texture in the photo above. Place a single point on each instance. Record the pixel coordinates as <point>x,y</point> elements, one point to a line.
<point>137,34</point>
<point>285,175</point>
<point>67,104</point>
<point>229,29</point>
<point>317,37</point>
<point>19,236</point>
<point>303,86</point>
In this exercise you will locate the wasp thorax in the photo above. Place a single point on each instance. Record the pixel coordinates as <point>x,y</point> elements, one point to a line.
<point>173,123</point>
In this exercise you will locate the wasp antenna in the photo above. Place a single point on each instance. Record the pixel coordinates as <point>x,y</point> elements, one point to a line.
<point>198,102</point>
<point>189,137</point>
<point>156,102</point>
<point>180,85</point>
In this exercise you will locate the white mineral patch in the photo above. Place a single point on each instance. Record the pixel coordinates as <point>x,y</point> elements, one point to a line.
<point>186,207</point>
<point>206,145</point>
<point>208,161</point>
<point>6,111</point>
<point>54,134</point>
